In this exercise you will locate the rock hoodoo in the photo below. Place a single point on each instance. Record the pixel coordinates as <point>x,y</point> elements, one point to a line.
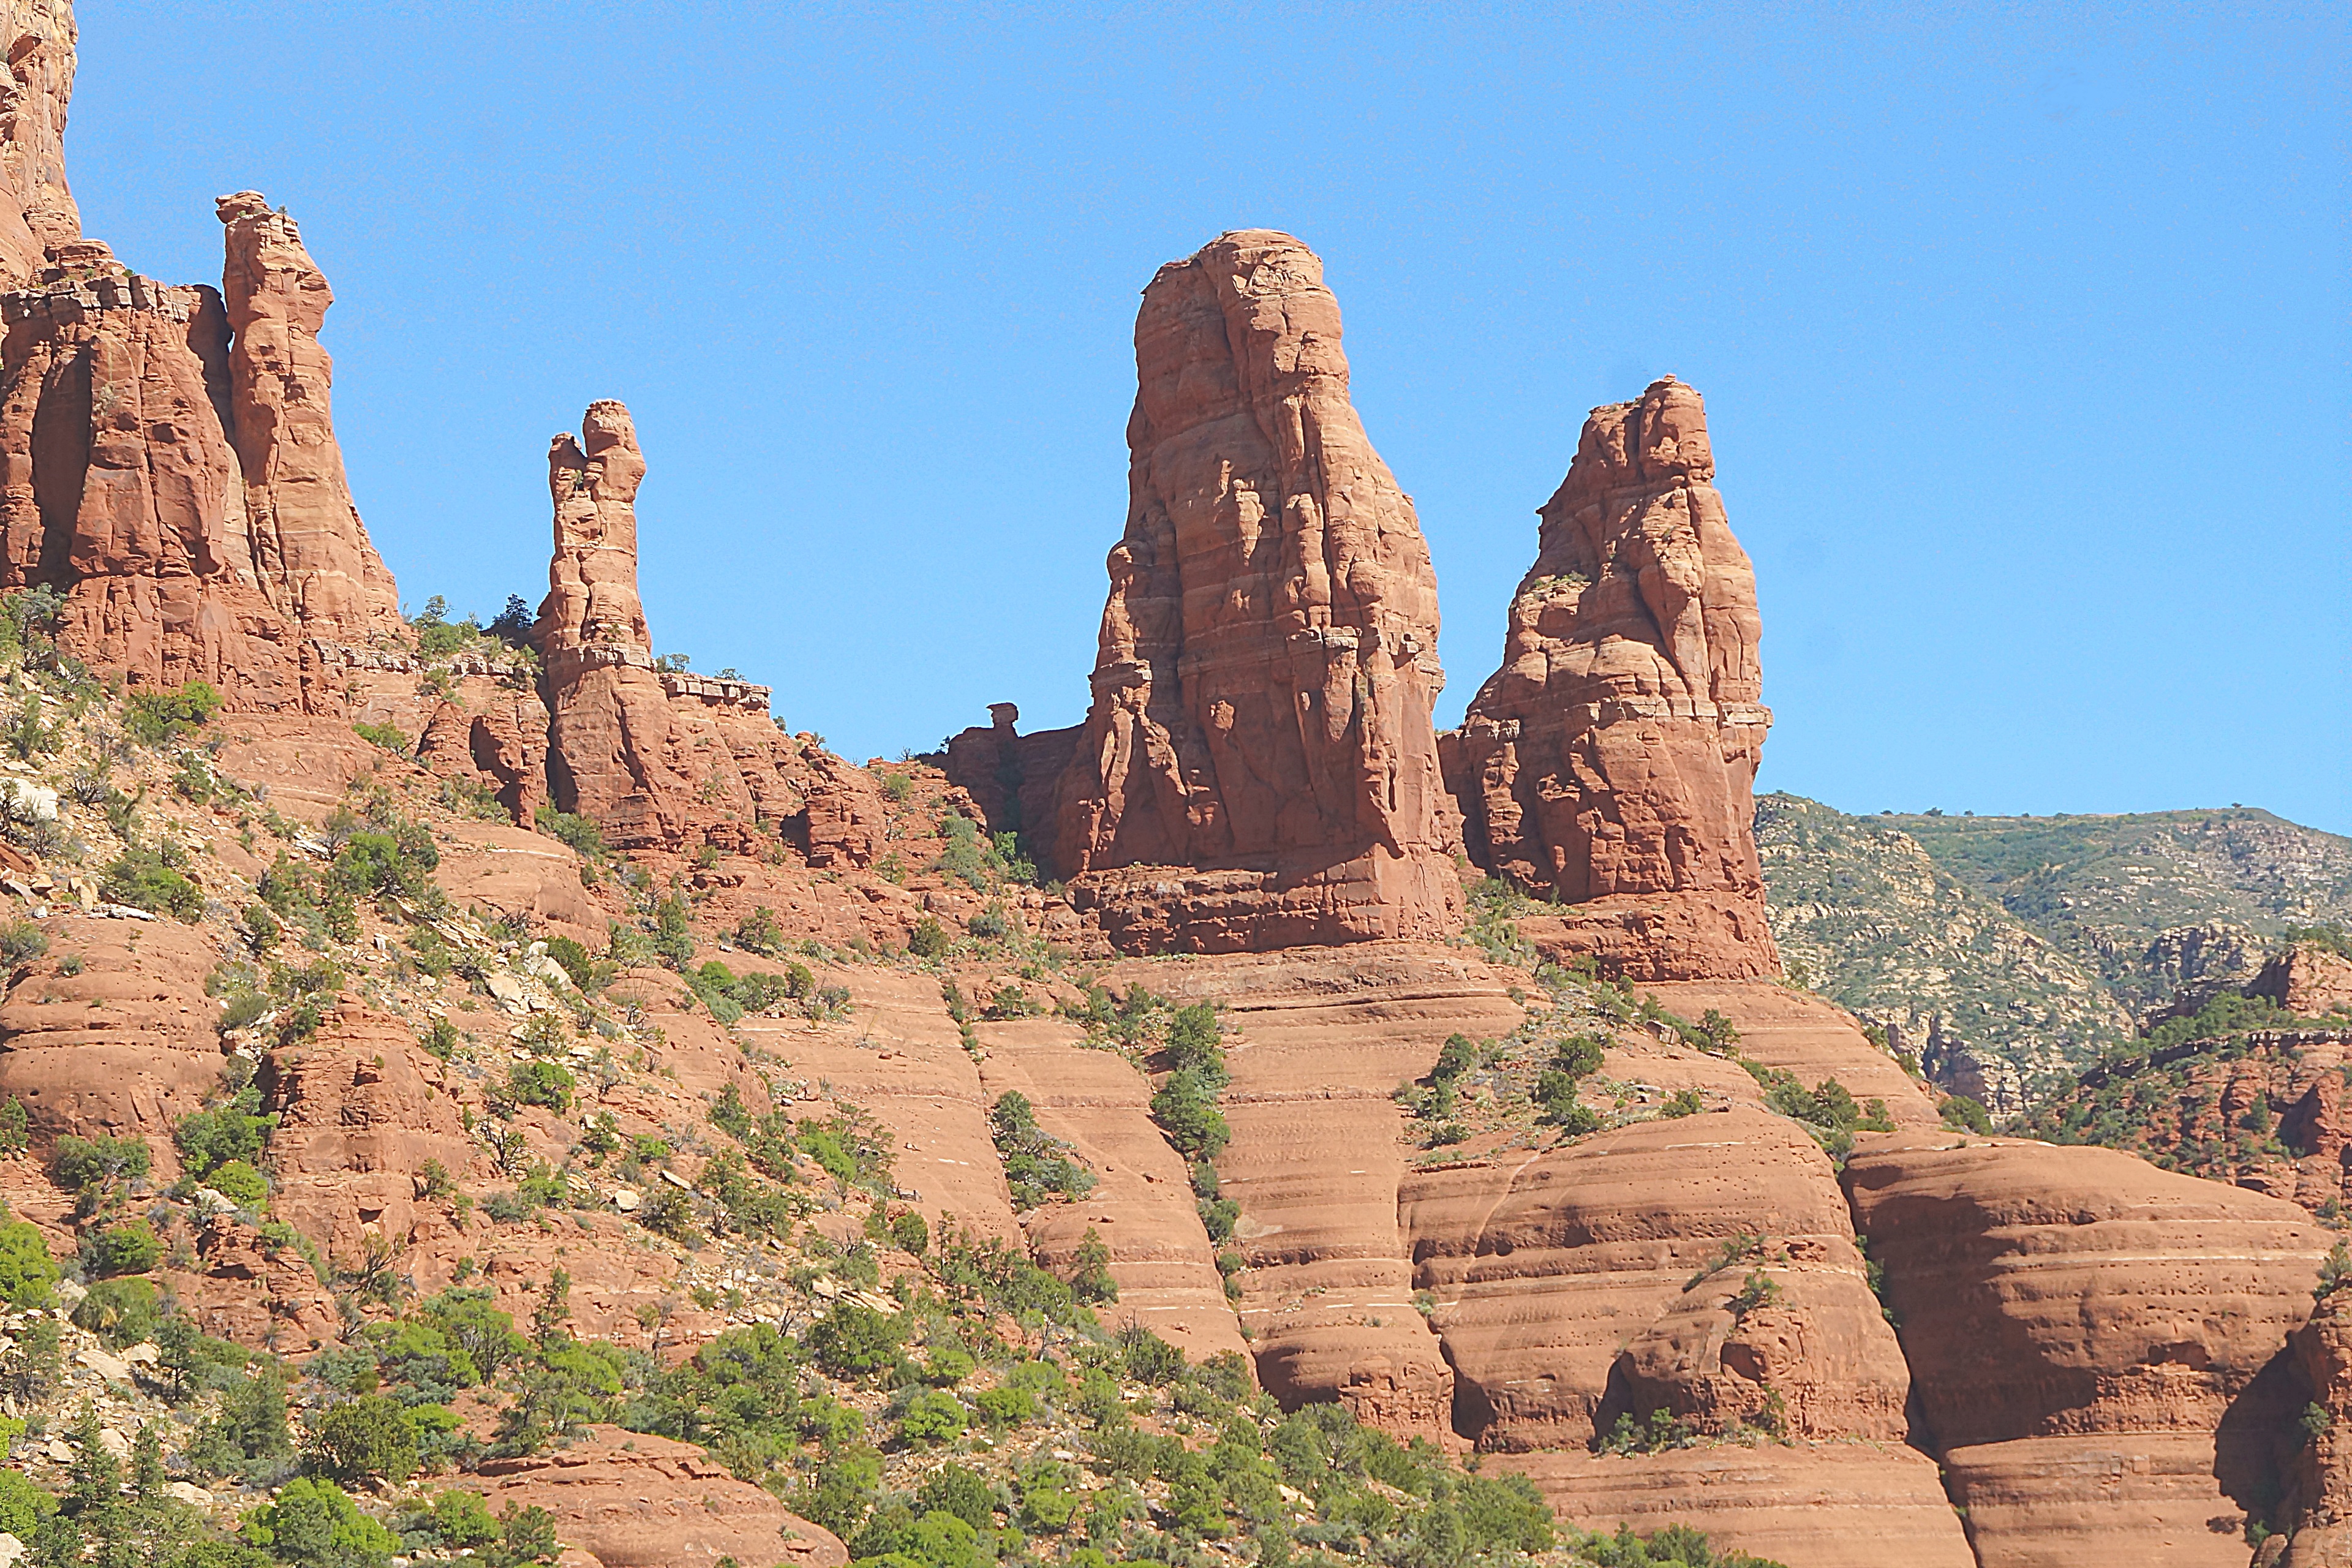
<point>310,547</point>
<point>1609,762</point>
<point>1259,766</point>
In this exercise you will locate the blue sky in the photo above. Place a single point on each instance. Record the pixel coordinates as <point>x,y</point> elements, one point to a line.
<point>2022,328</point>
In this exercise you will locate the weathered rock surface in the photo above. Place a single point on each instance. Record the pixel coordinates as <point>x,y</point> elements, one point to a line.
<point>36,210</point>
<point>2318,1505</point>
<point>629,746</point>
<point>491,731</point>
<point>1609,761</point>
<point>632,1500</point>
<point>1258,767</point>
<point>1141,1206</point>
<point>120,1048</point>
<point>2096,1345</point>
<point>311,550</point>
<point>2308,979</point>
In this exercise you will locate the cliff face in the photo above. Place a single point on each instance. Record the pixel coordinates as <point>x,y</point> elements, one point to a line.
<point>1608,763</point>
<point>1269,648</point>
<point>36,210</point>
<point>168,462</point>
<point>310,549</point>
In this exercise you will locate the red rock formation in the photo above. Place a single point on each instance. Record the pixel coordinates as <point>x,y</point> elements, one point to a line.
<point>2319,1497</point>
<point>310,548</point>
<point>493,733</point>
<point>1269,648</point>
<point>121,1047</point>
<point>119,483</point>
<point>2308,980</point>
<point>631,1501</point>
<point>629,746</point>
<point>36,210</point>
<point>1608,763</point>
<point>2092,1342</point>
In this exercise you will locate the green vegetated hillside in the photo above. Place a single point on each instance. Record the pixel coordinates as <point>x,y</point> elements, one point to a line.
<point>2009,950</point>
<point>2108,889</point>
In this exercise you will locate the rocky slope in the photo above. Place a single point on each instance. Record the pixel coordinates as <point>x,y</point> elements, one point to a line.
<point>1862,913</point>
<point>2007,954</point>
<point>1608,764</point>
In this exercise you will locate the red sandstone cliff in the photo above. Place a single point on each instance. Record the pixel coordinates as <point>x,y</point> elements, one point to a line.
<point>1609,762</point>
<point>310,549</point>
<point>36,210</point>
<point>1269,648</point>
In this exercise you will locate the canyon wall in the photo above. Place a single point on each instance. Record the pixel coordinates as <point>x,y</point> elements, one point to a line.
<point>1609,765</point>
<point>36,209</point>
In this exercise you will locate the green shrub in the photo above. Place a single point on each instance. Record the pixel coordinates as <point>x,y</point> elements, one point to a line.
<point>852,1341</point>
<point>1037,1168</point>
<point>1456,1056</point>
<point>27,1269</point>
<point>21,942</point>
<point>759,933</point>
<point>123,1310</point>
<point>363,1438</point>
<point>239,1182</point>
<point>581,833</point>
<point>129,1248</point>
<point>541,1083</point>
<point>155,718</point>
<point>1186,1109</point>
<point>932,1416</point>
<point>83,1164</point>
<point>1966,1114</point>
<point>384,735</point>
<point>315,1525</point>
<point>234,1130</point>
<point>572,959</point>
<point>139,877</point>
<point>929,939</point>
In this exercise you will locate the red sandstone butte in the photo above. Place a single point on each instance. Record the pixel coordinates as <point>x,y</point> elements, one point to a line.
<point>36,210</point>
<point>1259,766</point>
<point>1609,762</point>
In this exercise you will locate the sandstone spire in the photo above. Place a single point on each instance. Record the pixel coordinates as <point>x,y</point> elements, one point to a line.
<point>1610,761</point>
<point>311,550</point>
<point>1261,692</point>
<point>36,209</point>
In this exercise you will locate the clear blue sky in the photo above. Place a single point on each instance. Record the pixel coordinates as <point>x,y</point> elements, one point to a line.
<point>2022,328</point>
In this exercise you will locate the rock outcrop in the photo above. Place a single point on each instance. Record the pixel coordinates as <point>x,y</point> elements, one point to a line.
<point>2319,1490</point>
<point>616,749</point>
<point>2308,979</point>
<point>1608,763</point>
<point>631,1501</point>
<point>311,550</point>
<point>1259,766</point>
<point>2097,1346</point>
<point>36,209</point>
<point>168,462</point>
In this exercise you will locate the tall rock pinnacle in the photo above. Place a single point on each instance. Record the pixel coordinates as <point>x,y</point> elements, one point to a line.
<point>311,551</point>
<point>36,209</point>
<point>1611,760</point>
<point>1261,709</point>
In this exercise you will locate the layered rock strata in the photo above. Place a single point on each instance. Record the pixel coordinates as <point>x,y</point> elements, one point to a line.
<point>618,751</point>
<point>1257,767</point>
<point>1609,765</point>
<point>2097,1347</point>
